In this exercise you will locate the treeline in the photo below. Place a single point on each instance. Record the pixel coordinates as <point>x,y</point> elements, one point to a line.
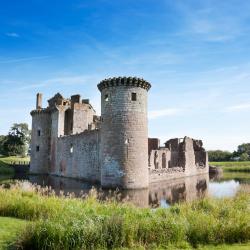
<point>242,154</point>
<point>17,142</point>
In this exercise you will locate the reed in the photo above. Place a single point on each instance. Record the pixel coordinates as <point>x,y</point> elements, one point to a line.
<point>86,223</point>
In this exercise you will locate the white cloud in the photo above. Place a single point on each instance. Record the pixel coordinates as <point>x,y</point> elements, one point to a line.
<point>240,107</point>
<point>68,80</point>
<point>13,34</point>
<point>163,112</point>
<point>16,60</point>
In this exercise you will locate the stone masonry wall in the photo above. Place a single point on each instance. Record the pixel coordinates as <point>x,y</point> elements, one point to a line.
<point>124,137</point>
<point>40,142</point>
<point>180,158</point>
<point>77,156</point>
<point>82,117</point>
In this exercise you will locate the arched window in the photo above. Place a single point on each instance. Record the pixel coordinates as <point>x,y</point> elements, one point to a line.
<point>164,160</point>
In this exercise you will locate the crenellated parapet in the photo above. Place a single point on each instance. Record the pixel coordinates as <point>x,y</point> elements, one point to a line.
<point>124,81</point>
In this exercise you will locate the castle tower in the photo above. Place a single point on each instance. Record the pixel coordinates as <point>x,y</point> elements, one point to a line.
<point>40,138</point>
<point>124,132</point>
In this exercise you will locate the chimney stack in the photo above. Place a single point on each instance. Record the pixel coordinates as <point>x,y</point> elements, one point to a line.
<point>39,99</point>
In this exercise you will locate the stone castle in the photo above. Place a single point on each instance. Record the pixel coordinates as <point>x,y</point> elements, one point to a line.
<point>70,140</point>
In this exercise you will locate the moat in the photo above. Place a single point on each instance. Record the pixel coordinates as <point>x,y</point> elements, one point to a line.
<point>162,194</point>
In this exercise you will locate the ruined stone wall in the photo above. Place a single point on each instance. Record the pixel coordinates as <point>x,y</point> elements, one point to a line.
<point>124,134</point>
<point>160,159</point>
<point>77,156</point>
<point>182,157</point>
<point>57,130</point>
<point>40,142</point>
<point>82,117</point>
<point>153,144</point>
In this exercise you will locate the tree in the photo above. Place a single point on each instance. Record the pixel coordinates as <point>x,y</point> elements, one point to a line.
<point>244,148</point>
<point>219,155</point>
<point>18,140</point>
<point>244,157</point>
<point>3,138</point>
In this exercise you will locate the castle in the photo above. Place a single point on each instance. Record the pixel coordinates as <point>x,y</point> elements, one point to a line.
<point>70,140</point>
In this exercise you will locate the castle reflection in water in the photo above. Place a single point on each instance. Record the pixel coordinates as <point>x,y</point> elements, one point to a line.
<point>161,194</point>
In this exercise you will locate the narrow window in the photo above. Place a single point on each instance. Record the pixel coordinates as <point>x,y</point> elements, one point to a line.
<point>38,132</point>
<point>37,148</point>
<point>106,98</point>
<point>164,160</point>
<point>71,149</point>
<point>133,97</point>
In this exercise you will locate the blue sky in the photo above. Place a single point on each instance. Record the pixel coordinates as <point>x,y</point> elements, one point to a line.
<point>196,54</point>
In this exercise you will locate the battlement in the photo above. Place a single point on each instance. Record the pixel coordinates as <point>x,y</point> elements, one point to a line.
<point>124,81</point>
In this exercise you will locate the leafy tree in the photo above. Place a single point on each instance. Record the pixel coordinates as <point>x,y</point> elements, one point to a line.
<point>219,155</point>
<point>2,141</point>
<point>244,157</point>
<point>17,140</point>
<point>244,148</point>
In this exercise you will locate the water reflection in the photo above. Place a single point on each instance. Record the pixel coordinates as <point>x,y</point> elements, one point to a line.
<point>224,189</point>
<point>167,193</point>
<point>162,194</point>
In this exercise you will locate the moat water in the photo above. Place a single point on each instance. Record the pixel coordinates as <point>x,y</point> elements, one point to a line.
<point>162,194</point>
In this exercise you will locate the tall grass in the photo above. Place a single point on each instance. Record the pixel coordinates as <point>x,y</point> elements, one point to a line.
<point>70,223</point>
<point>9,229</point>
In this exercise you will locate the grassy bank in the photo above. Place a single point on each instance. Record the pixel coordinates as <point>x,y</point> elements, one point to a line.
<point>70,223</point>
<point>9,230</point>
<point>14,159</point>
<point>5,161</point>
<point>5,169</point>
<point>239,166</point>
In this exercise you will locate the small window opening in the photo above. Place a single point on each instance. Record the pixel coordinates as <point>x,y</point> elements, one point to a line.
<point>37,148</point>
<point>106,98</point>
<point>71,148</point>
<point>39,132</point>
<point>127,141</point>
<point>133,97</point>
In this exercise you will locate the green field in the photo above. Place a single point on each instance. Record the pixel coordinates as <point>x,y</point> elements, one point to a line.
<point>5,161</point>
<point>233,166</point>
<point>71,223</point>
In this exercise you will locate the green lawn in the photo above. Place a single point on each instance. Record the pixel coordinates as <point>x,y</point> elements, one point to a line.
<point>5,161</point>
<point>233,166</point>
<point>9,229</point>
<point>16,159</point>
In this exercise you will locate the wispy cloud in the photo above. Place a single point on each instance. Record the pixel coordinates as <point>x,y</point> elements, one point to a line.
<point>212,21</point>
<point>17,60</point>
<point>68,80</point>
<point>240,107</point>
<point>12,34</point>
<point>163,112</point>
<point>63,80</point>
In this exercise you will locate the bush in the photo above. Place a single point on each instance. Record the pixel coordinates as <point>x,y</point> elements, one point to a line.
<point>70,223</point>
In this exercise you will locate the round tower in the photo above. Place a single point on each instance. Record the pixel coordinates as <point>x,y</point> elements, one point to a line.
<point>124,132</point>
<point>40,139</point>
